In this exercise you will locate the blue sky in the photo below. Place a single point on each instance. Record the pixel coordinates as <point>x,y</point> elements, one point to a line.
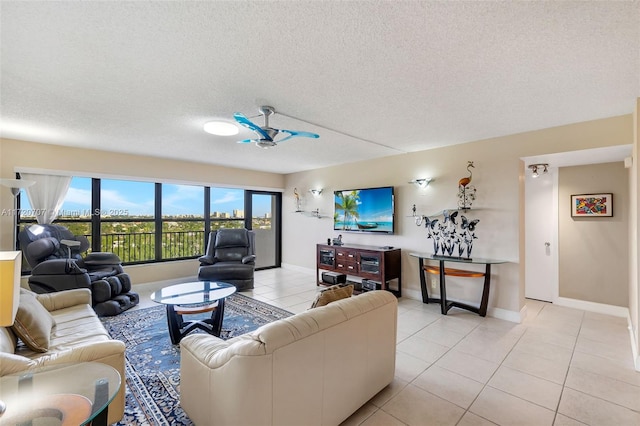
<point>137,198</point>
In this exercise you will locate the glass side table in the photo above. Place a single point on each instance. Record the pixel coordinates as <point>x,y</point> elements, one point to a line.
<point>66,394</point>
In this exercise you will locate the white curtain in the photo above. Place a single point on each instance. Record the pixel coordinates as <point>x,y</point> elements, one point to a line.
<point>47,195</point>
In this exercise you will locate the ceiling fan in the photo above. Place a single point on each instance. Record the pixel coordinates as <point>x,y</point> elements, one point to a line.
<point>266,135</point>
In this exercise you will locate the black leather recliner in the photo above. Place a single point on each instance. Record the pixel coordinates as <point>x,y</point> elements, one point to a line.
<point>53,253</point>
<point>230,258</point>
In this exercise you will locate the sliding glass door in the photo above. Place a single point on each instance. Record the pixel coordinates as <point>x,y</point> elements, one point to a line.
<point>264,216</point>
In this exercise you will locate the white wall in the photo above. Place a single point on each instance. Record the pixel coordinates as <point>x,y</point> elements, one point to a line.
<point>497,176</point>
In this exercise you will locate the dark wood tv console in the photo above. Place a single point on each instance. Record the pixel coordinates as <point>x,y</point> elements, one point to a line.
<point>379,264</point>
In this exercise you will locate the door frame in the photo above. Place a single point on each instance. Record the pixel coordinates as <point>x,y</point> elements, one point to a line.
<point>276,220</point>
<point>568,159</point>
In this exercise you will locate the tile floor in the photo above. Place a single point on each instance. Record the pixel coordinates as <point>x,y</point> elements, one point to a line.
<point>561,366</point>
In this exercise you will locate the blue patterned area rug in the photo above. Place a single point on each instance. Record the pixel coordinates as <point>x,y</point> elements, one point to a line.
<point>153,364</point>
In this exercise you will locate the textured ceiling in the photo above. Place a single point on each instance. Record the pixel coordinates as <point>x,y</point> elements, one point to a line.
<point>143,77</point>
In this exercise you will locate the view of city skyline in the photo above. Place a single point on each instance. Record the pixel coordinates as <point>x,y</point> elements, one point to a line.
<point>132,198</point>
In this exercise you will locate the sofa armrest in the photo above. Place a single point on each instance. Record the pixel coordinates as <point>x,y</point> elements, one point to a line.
<point>65,299</point>
<point>90,352</point>
<point>12,363</point>
<point>206,260</point>
<point>214,352</point>
<point>203,347</point>
<point>249,259</point>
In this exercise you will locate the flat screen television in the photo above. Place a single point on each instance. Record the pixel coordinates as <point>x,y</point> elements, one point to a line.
<point>364,210</point>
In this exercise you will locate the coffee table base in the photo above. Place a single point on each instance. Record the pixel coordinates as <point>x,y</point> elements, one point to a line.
<point>178,327</point>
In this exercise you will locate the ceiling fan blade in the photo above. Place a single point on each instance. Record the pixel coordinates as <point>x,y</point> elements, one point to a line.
<point>295,134</point>
<point>247,141</point>
<point>240,118</point>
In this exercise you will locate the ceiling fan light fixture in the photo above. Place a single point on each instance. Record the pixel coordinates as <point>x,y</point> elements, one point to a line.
<point>267,134</point>
<point>221,128</point>
<point>265,143</point>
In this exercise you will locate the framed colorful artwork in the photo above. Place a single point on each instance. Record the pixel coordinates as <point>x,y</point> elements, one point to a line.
<point>592,205</point>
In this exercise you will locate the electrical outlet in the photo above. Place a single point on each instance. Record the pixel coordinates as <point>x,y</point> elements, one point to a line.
<point>434,283</point>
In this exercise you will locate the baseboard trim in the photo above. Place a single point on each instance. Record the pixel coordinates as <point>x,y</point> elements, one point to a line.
<point>524,312</point>
<point>297,268</point>
<point>503,314</point>
<point>601,308</point>
<point>507,315</point>
<point>412,294</point>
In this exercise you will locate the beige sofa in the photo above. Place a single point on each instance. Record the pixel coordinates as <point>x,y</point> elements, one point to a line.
<point>77,336</point>
<point>314,368</point>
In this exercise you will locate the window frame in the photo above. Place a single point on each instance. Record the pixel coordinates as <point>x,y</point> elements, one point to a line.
<point>96,220</point>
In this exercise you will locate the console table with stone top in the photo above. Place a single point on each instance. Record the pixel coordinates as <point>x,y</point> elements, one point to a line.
<point>442,271</point>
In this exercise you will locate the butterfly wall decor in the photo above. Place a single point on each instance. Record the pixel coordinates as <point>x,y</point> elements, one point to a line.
<point>450,236</point>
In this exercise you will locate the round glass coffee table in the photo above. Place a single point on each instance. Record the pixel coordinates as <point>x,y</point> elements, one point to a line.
<point>194,298</point>
<point>65,394</point>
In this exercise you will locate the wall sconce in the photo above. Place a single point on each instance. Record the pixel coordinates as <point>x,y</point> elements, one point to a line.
<point>316,192</point>
<point>422,183</point>
<point>535,168</point>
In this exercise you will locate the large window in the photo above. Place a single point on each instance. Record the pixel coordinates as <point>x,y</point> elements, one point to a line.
<point>182,221</point>
<point>226,208</point>
<point>75,212</point>
<point>149,222</point>
<point>127,219</point>
<point>261,211</point>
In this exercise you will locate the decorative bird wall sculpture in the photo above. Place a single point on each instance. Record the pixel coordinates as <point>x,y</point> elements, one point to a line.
<point>297,198</point>
<point>467,180</point>
<point>466,192</point>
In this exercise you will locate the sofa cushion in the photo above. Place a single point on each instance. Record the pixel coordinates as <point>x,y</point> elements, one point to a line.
<point>331,294</point>
<point>7,340</point>
<point>33,323</point>
<point>76,326</point>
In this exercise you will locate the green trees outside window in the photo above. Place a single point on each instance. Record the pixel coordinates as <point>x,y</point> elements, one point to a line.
<point>146,221</point>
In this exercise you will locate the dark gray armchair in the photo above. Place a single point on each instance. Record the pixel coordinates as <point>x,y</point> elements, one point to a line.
<point>230,258</point>
<point>54,254</point>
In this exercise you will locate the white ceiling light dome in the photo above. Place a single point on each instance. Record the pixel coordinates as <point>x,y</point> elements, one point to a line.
<point>221,128</point>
